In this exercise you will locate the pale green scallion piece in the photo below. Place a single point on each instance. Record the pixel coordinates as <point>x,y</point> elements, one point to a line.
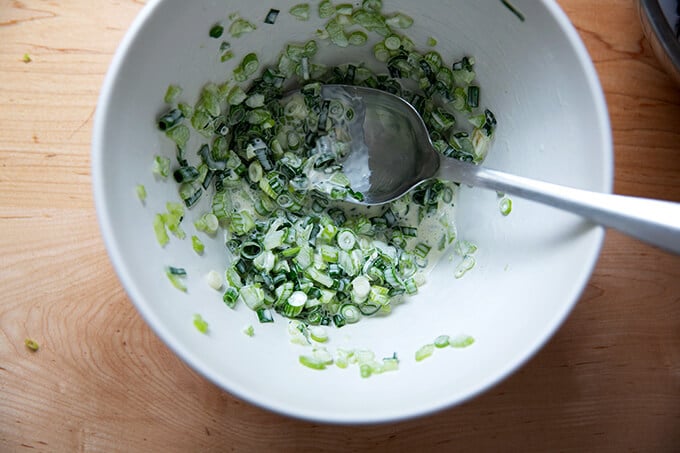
<point>464,266</point>
<point>337,34</point>
<point>424,352</point>
<point>442,341</point>
<point>357,38</point>
<point>311,362</point>
<point>161,166</point>
<point>200,324</point>
<point>239,27</point>
<point>160,231</point>
<point>461,341</point>
<point>141,192</point>
<point>214,280</point>
<point>236,95</point>
<point>326,9</point>
<point>179,134</point>
<point>207,223</point>
<point>175,275</point>
<point>172,93</point>
<point>345,9</point>
<point>399,20</point>
<point>505,206</point>
<point>300,11</point>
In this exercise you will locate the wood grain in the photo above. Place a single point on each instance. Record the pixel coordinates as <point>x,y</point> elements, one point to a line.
<point>102,381</point>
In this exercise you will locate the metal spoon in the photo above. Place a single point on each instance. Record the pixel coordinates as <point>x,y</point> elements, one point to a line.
<point>398,154</point>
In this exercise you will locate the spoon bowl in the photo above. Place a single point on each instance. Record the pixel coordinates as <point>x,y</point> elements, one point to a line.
<point>395,147</point>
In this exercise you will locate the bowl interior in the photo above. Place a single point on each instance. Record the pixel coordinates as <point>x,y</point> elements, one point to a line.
<point>531,265</point>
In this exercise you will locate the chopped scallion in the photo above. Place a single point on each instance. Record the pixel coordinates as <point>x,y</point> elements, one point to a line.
<point>141,192</point>
<point>271,16</point>
<point>326,9</point>
<point>172,93</point>
<point>175,275</point>
<point>200,324</point>
<point>31,344</point>
<point>424,352</point>
<point>300,11</point>
<point>216,31</point>
<point>461,341</point>
<point>505,206</point>
<point>239,27</point>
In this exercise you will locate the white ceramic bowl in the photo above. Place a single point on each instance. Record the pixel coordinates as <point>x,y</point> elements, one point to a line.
<point>531,266</point>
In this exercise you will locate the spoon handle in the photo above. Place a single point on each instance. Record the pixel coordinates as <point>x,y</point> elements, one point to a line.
<point>654,221</point>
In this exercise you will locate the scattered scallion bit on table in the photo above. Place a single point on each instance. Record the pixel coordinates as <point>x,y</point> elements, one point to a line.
<point>424,352</point>
<point>249,330</point>
<point>31,344</point>
<point>431,41</point>
<point>176,275</point>
<point>214,280</point>
<point>27,58</point>
<point>200,324</point>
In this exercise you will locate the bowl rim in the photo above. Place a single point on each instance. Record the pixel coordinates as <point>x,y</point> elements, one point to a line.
<point>126,278</point>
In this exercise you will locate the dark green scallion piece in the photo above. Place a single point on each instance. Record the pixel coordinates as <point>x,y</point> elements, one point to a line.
<point>473,96</point>
<point>339,320</point>
<point>250,250</point>
<point>264,315</point>
<point>216,31</point>
<point>185,174</point>
<point>230,296</point>
<point>178,271</point>
<point>169,119</point>
<point>271,16</point>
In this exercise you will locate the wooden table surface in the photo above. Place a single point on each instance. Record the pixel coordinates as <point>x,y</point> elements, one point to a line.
<point>609,380</point>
